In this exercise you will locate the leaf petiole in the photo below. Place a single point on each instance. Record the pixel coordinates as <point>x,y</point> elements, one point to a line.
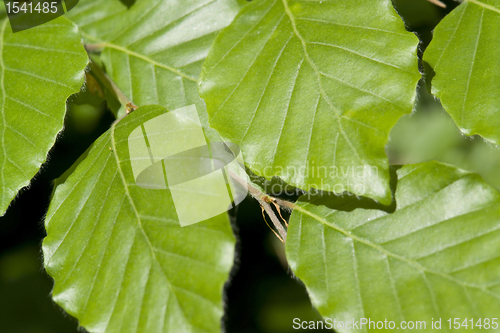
<point>264,201</point>
<point>112,87</point>
<point>438,3</point>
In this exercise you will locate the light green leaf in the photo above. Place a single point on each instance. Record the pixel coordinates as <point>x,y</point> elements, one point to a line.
<point>98,19</point>
<point>120,260</point>
<point>39,69</point>
<point>464,56</point>
<point>157,57</point>
<point>435,257</point>
<point>310,90</point>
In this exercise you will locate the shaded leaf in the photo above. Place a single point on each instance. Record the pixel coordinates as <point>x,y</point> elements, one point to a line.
<point>435,257</point>
<point>119,258</point>
<point>39,69</point>
<point>464,57</point>
<point>310,90</point>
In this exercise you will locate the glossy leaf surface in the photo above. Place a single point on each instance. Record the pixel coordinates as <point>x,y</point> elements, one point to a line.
<point>120,259</point>
<point>464,57</point>
<point>39,69</point>
<point>310,90</point>
<point>98,19</point>
<point>157,56</point>
<point>435,257</point>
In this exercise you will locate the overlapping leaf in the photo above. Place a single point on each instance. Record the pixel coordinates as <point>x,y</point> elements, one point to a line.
<point>436,256</point>
<point>170,279</point>
<point>156,57</point>
<point>98,19</point>
<point>465,57</point>
<point>120,260</point>
<point>39,69</point>
<point>154,50</point>
<point>310,90</point>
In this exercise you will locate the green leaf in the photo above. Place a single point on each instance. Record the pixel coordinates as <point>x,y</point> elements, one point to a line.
<point>154,57</point>
<point>157,47</point>
<point>157,57</point>
<point>310,90</point>
<point>120,260</point>
<point>39,69</point>
<point>464,56</point>
<point>435,256</point>
<point>98,19</point>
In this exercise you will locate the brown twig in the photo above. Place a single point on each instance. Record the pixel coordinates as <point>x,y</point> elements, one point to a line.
<point>277,207</point>
<point>111,86</point>
<point>265,220</point>
<point>263,200</point>
<point>438,3</point>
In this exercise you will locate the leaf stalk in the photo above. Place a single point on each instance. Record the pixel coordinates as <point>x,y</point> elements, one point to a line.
<point>264,200</point>
<point>111,86</point>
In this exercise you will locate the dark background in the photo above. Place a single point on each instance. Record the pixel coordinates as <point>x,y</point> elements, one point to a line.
<point>262,294</point>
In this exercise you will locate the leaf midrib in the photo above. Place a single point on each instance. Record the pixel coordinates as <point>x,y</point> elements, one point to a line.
<point>129,196</point>
<point>478,37</point>
<point>318,77</point>
<point>391,254</point>
<point>171,286</point>
<point>306,54</point>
